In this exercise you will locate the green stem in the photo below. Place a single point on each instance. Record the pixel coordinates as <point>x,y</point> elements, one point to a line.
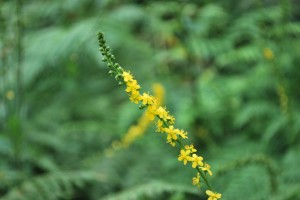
<point>204,178</point>
<point>3,58</point>
<point>202,174</point>
<point>19,55</point>
<point>15,120</point>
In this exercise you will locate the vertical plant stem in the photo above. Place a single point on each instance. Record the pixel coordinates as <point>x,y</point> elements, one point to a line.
<point>19,56</point>
<point>3,58</point>
<point>16,120</point>
<point>205,179</point>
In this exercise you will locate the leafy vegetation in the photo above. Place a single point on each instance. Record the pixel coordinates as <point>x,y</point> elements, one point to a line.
<point>230,74</point>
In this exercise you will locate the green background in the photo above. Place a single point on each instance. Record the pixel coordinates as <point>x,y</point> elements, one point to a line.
<point>60,110</point>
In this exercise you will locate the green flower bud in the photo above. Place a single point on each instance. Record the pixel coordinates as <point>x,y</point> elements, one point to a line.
<point>142,107</point>
<point>116,65</point>
<point>110,72</point>
<point>118,76</point>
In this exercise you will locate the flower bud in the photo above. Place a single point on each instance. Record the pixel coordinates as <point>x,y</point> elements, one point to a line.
<point>116,65</point>
<point>110,72</point>
<point>118,76</point>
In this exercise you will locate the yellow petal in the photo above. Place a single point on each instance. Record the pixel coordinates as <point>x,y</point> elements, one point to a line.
<point>209,193</point>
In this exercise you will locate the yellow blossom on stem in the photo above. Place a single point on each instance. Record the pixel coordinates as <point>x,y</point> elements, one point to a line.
<point>171,119</point>
<point>147,99</point>
<point>159,93</point>
<point>161,113</point>
<point>170,130</point>
<point>165,122</point>
<point>172,134</point>
<point>207,168</point>
<point>127,77</point>
<point>191,148</point>
<point>159,126</point>
<point>132,87</point>
<point>212,195</point>
<point>197,160</point>
<point>171,142</point>
<point>184,156</point>
<point>183,134</point>
<point>151,111</point>
<point>135,98</point>
<point>196,180</point>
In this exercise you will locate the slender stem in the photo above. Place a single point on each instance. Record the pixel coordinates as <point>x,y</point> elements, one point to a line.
<point>19,56</point>
<point>202,174</point>
<point>16,119</point>
<point>3,58</point>
<point>204,178</point>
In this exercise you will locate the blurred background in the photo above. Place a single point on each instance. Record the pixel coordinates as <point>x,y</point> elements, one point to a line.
<point>227,70</point>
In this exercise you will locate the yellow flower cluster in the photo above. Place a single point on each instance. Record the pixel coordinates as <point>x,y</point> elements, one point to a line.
<point>212,195</point>
<point>165,124</point>
<point>10,95</point>
<point>196,180</point>
<point>165,120</point>
<point>139,129</point>
<point>133,88</point>
<point>143,123</point>
<point>268,54</point>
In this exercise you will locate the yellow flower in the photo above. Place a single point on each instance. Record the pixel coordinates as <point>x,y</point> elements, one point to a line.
<point>191,148</point>
<point>151,109</point>
<point>172,143</point>
<point>172,134</point>
<point>207,168</point>
<point>147,99</point>
<point>183,134</point>
<point>268,54</point>
<point>127,76</point>
<point>132,134</point>
<point>197,161</point>
<point>159,92</point>
<point>170,130</point>
<point>196,180</point>
<point>159,126</point>
<point>135,98</point>
<point>212,195</point>
<point>170,119</point>
<point>162,113</point>
<point>132,87</point>
<point>139,129</point>
<point>184,156</point>
<point>10,94</point>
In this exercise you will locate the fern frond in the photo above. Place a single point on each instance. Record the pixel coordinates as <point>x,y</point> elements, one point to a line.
<point>52,186</point>
<point>151,190</point>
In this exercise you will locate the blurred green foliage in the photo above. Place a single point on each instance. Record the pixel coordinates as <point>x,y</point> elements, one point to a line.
<point>230,70</point>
